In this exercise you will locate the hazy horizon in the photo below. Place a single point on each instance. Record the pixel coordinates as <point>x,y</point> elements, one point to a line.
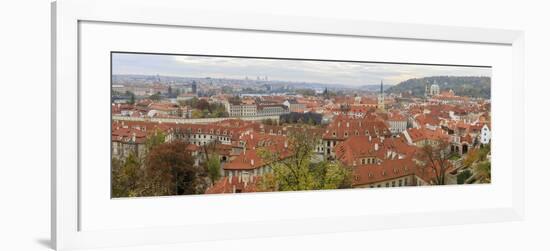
<point>326,72</point>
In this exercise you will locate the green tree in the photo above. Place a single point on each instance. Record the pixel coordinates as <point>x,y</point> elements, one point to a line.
<point>332,175</point>
<point>268,122</point>
<point>483,172</point>
<point>155,97</point>
<point>463,176</point>
<point>125,177</point>
<point>155,139</point>
<point>297,172</point>
<point>214,166</point>
<point>132,97</point>
<point>197,114</point>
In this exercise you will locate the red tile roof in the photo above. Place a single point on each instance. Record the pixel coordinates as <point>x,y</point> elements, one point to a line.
<point>343,127</point>
<point>387,170</point>
<point>234,184</point>
<point>418,134</point>
<point>357,147</point>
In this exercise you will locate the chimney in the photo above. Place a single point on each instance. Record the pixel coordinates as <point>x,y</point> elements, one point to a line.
<point>252,162</point>
<point>338,123</point>
<point>370,138</point>
<point>347,124</point>
<point>134,137</point>
<point>286,144</point>
<point>376,146</point>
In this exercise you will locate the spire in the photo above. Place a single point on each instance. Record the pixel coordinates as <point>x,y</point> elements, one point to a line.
<point>381,105</point>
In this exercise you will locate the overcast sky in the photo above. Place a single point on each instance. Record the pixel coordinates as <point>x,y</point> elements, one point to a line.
<point>288,70</point>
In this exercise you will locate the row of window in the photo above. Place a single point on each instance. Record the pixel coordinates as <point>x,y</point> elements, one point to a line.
<point>255,172</point>
<point>400,182</point>
<point>346,134</point>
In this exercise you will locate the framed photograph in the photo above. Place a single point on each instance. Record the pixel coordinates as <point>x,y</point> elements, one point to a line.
<point>185,125</point>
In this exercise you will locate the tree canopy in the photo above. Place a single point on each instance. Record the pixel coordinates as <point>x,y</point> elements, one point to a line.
<point>170,168</point>
<point>297,172</point>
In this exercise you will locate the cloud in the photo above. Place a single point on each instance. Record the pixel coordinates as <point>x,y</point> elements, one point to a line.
<point>348,73</point>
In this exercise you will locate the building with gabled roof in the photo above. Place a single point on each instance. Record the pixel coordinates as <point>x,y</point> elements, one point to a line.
<point>343,127</point>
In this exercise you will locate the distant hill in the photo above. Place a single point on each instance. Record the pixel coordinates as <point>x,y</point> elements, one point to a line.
<point>479,87</point>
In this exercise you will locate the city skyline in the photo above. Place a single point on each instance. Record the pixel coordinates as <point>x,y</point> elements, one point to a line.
<point>327,72</point>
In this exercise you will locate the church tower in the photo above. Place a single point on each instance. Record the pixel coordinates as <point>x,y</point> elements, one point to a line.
<point>381,104</point>
<point>426,92</point>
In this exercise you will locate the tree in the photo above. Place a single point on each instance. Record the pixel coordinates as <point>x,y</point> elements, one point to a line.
<point>192,102</point>
<point>435,158</point>
<point>297,173</point>
<point>234,100</point>
<point>483,172</point>
<point>471,157</point>
<point>155,97</point>
<point>202,104</point>
<point>213,165</point>
<point>332,175</point>
<point>170,170</point>
<point>463,176</point>
<point>125,177</point>
<point>197,114</point>
<point>268,122</point>
<point>132,97</point>
<point>154,140</point>
<point>306,92</point>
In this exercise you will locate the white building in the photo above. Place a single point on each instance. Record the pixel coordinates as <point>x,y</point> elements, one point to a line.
<point>434,90</point>
<point>241,110</point>
<point>485,135</point>
<point>271,110</point>
<point>397,125</point>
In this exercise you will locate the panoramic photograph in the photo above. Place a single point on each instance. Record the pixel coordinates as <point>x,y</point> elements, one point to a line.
<point>204,124</point>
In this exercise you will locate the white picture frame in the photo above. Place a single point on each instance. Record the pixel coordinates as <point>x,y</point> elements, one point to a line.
<point>66,199</point>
